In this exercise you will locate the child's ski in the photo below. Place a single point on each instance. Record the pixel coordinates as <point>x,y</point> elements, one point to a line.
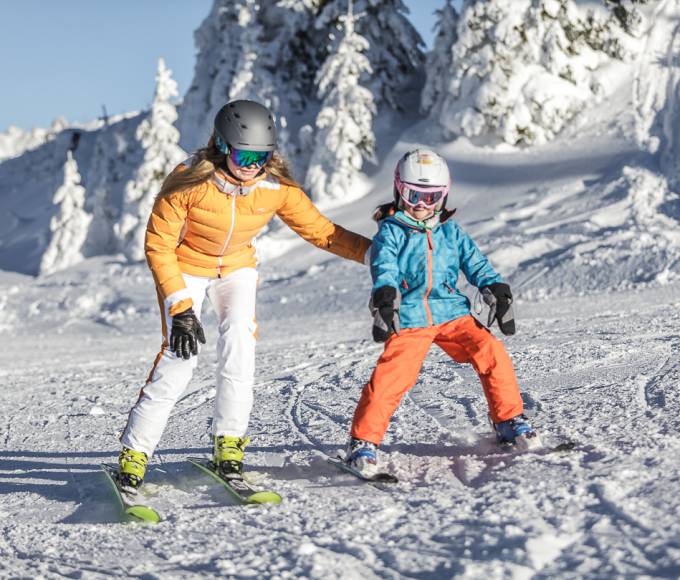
<point>541,450</point>
<point>382,477</point>
<point>129,502</point>
<point>242,492</point>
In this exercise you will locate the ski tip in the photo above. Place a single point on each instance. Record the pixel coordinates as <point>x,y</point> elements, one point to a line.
<point>260,497</point>
<point>142,513</point>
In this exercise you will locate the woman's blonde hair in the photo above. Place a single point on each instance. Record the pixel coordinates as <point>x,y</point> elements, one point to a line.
<point>206,161</point>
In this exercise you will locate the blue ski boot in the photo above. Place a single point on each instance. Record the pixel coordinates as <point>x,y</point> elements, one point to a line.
<point>518,432</point>
<point>362,456</point>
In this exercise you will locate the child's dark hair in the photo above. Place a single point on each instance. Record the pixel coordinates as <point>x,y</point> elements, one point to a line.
<point>384,210</point>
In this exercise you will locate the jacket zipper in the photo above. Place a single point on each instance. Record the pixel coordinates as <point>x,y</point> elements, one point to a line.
<point>430,247</point>
<point>226,242</point>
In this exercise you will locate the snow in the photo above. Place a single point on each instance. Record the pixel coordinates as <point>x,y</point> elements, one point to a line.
<point>586,230</point>
<point>464,508</point>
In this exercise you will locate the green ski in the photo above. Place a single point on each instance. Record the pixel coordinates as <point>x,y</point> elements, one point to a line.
<point>132,509</point>
<point>241,491</point>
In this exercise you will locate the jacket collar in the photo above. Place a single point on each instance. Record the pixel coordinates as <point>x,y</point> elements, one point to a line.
<point>429,224</point>
<point>231,186</point>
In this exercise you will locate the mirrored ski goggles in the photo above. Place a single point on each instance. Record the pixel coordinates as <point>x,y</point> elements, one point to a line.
<point>243,157</point>
<point>428,196</point>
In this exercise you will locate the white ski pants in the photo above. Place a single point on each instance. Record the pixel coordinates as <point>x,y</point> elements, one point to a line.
<point>233,299</point>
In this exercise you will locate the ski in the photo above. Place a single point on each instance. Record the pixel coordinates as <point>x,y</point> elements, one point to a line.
<point>132,509</point>
<point>381,477</point>
<point>241,490</point>
<point>542,450</point>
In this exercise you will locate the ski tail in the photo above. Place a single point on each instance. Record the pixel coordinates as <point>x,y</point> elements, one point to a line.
<point>381,477</point>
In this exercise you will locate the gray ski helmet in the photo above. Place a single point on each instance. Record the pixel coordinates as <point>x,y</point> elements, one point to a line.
<point>246,125</point>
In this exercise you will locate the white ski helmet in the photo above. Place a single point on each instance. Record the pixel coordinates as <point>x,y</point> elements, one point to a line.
<point>421,176</point>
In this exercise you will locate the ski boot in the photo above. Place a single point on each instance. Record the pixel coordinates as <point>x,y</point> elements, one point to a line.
<point>228,455</point>
<point>518,432</point>
<point>131,469</point>
<point>362,456</point>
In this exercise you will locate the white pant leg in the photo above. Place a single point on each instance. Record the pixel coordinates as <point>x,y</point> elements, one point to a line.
<point>168,380</point>
<point>233,299</point>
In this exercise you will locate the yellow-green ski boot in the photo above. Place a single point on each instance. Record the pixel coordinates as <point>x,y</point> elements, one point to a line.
<point>228,455</point>
<point>131,468</point>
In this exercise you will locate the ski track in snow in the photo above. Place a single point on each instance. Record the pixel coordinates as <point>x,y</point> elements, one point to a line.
<point>600,368</point>
<point>602,372</point>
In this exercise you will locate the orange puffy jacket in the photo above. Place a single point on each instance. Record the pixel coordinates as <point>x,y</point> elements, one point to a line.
<point>208,230</point>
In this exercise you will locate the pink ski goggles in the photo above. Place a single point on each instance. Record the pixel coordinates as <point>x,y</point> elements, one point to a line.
<point>414,195</point>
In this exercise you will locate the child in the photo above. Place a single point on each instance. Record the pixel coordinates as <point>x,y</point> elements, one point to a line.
<point>415,260</point>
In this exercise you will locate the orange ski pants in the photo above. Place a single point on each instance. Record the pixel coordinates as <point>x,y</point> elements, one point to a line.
<point>464,340</point>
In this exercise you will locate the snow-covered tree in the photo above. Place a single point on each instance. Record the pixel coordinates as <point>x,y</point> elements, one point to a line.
<point>395,49</point>
<point>249,49</point>
<point>439,59</point>
<point>15,141</point>
<point>345,123</point>
<point>627,14</point>
<point>521,69</point>
<point>158,138</point>
<point>668,129</point>
<point>272,52</point>
<point>69,225</point>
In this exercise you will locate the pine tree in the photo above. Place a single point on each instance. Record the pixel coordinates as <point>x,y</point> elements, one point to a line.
<point>218,41</point>
<point>250,49</point>
<point>344,125</point>
<point>627,14</point>
<point>70,225</point>
<point>521,69</point>
<point>439,59</point>
<point>395,51</point>
<point>158,138</point>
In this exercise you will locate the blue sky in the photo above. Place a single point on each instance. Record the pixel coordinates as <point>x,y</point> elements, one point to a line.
<point>71,57</point>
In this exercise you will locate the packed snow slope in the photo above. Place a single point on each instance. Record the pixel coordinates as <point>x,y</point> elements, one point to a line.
<point>601,371</point>
<point>586,231</point>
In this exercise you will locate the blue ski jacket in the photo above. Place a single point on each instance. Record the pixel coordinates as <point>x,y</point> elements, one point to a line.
<point>423,262</point>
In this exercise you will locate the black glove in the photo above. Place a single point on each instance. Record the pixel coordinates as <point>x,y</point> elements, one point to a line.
<point>186,333</point>
<point>384,306</point>
<point>499,299</point>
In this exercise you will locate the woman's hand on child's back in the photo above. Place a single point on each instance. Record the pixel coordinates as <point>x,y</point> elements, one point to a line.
<point>384,306</point>
<point>499,298</point>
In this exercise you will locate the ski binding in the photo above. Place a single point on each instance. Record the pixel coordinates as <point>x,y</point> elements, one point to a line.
<point>129,502</point>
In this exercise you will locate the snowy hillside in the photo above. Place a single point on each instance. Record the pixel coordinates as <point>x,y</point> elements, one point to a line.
<point>585,227</point>
<point>106,159</point>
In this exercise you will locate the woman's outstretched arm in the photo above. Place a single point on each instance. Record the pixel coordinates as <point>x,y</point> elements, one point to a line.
<point>300,214</point>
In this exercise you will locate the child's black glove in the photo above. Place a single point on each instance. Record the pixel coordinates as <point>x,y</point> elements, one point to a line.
<point>499,299</point>
<point>384,306</point>
<point>186,333</point>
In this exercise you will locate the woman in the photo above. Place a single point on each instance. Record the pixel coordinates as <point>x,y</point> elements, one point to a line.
<point>199,243</point>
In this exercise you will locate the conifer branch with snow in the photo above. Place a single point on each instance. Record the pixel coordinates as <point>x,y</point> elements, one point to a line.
<point>439,59</point>
<point>158,138</point>
<point>344,124</point>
